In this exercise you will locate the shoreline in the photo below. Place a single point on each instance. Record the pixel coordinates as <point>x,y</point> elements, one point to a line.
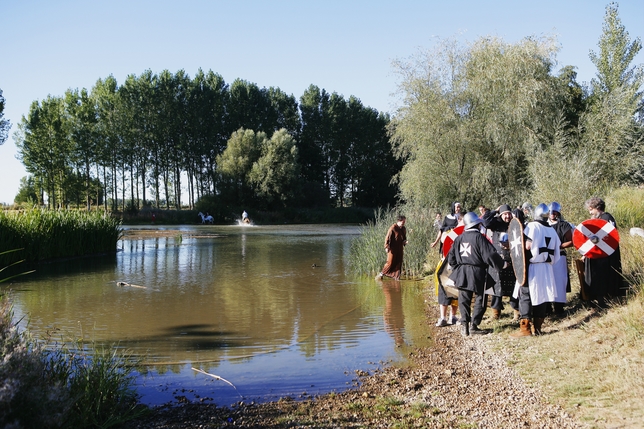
<point>457,382</point>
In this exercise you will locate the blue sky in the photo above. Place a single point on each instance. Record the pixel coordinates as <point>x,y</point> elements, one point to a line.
<point>342,46</point>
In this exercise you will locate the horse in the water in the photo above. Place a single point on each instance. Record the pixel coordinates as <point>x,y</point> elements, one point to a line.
<point>206,219</point>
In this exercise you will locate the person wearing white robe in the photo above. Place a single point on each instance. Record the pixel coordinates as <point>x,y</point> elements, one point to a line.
<point>542,245</point>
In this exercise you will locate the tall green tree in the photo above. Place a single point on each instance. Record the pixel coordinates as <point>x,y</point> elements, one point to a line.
<point>83,120</point>
<point>208,133</point>
<point>610,127</point>
<point>235,163</point>
<point>249,108</point>
<point>372,164</point>
<point>614,62</point>
<point>285,111</point>
<point>28,192</point>
<point>314,146</point>
<point>45,147</point>
<point>110,129</point>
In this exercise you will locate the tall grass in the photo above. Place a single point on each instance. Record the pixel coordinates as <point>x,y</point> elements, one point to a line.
<point>44,385</point>
<point>627,207</point>
<point>632,254</point>
<point>46,234</point>
<point>367,255</point>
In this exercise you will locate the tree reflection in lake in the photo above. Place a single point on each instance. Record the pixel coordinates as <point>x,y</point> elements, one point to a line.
<point>268,308</point>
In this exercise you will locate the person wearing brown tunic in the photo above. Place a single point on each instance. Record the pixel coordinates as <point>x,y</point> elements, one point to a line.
<point>395,241</point>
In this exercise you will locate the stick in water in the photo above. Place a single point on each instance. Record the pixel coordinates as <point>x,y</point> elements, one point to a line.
<point>218,378</point>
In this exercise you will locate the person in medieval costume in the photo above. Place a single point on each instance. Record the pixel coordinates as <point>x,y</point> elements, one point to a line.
<point>395,241</point>
<point>562,278</point>
<point>470,255</point>
<point>496,222</point>
<point>449,222</point>
<point>542,248</point>
<point>446,302</point>
<point>603,276</point>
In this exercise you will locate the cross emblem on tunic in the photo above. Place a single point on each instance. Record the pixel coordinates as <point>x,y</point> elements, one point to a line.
<point>466,250</point>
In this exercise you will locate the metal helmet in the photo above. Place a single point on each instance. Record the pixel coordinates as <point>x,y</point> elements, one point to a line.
<point>554,207</point>
<point>471,220</point>
<point>541,212</point>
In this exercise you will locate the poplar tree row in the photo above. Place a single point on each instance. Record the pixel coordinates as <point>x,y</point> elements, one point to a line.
<point>158,137</point>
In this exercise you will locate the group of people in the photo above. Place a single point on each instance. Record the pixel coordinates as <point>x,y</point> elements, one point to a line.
<point>481,264</point>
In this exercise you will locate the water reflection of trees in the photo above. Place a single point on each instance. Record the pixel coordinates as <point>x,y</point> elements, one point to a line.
<point>200,305</point>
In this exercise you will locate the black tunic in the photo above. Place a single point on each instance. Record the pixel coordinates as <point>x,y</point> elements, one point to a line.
<point>604,275</point>
<point>504,279</point>
<point>469,257</point>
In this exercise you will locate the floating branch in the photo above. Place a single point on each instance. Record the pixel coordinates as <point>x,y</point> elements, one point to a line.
<point>218,378</point>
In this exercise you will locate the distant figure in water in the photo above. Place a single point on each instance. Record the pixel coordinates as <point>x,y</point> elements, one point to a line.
<point>395,241</point>
<point>245,218</point>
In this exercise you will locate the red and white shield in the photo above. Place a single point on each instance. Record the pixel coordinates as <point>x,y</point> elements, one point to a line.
<point>450,237</point>
<point>595,238</point>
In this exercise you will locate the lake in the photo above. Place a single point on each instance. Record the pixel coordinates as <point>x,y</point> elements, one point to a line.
<point>270,309</point>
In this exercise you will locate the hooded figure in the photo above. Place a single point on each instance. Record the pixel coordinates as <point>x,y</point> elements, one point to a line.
<point>451,220</point>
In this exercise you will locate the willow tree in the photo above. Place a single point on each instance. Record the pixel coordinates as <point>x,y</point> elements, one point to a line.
<point>274,175</point>
<point>471,119</point>
<point>244,148</point>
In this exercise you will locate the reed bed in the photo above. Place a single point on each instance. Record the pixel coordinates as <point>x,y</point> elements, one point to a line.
<point>47,234</point>
<point>367,255</point>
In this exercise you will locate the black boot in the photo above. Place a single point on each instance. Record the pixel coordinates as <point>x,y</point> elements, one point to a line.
<point>475,330</point>
<point>465,329</point>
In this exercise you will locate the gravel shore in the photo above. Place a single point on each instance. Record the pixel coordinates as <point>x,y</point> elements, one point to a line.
<point>456,383</point>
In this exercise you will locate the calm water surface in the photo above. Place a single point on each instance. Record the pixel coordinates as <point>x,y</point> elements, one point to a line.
<point>270,309</point>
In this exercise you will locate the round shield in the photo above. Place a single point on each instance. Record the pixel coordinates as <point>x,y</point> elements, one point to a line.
<point>450,237</point>
<point>595,238</point>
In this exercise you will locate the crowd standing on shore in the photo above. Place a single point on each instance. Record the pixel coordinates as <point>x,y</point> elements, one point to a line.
<point>529,267</point>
